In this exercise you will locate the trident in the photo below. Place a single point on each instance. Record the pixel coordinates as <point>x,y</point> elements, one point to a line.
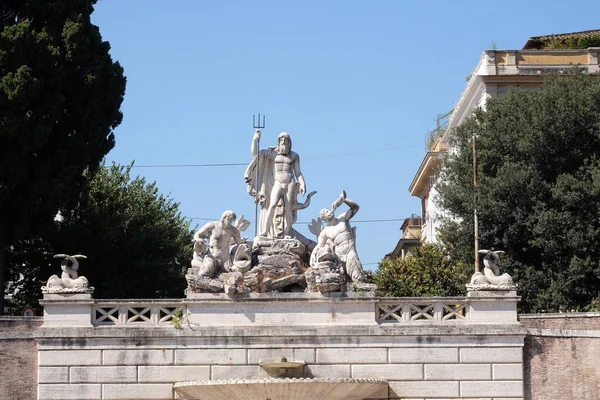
<point>257,125</point>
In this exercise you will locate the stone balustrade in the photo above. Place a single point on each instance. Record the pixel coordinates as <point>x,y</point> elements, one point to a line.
<point>411,310</point>
<point>107,313</point>
<point>136,313</point>
<point>289,308</point>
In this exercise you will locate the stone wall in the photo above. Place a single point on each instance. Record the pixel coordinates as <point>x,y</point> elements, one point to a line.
<point>428,352</point>
<point>444,360</point>
<point>578,321</point>
<point>438,364</point>
<point>18,358</point>
<point>561,356</point>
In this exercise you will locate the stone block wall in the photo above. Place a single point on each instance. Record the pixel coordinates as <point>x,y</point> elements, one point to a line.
<point>134,365</point>
<point>18,358</point>
<point>421,359</point>
<point>561,356</point>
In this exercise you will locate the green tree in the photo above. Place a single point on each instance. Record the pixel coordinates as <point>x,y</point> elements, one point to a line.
<point>30,263</point>
<point>538,190</point>
<point>428,272</point>
<point>60,94</point>
<point>137,243</point>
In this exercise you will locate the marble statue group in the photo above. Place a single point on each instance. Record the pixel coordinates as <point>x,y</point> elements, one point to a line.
<point>279,258</point>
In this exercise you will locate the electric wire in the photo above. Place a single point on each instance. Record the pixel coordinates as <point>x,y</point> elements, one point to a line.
<point>245,164</point>
<point>306,222</point>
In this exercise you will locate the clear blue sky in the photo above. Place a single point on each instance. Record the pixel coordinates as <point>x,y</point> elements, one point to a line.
<point>357,84</point>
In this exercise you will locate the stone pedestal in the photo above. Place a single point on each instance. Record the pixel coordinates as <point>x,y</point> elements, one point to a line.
<point>278,265</point>
<point>325,278</point>
<point>70,309</point>
<point>280,309</point>
<point>493,306</point>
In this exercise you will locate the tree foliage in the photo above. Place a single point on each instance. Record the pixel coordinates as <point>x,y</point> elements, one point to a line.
<point>428,272</point>
<point>60,97</point>
<point>137,243</point>
<point>30,263</point>
<point>538,159</point>
<point>573,42</point>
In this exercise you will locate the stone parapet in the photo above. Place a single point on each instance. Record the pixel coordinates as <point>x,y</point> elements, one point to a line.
<point>289,309</point>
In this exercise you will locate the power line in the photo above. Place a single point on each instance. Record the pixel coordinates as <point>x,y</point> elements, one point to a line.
<point>364,220</point>
<point>188,165</point>
<point>246,163</point>
<point>374,220</point>
<point>363,152</point>
<point>306,222</point>
<point>378,220</point>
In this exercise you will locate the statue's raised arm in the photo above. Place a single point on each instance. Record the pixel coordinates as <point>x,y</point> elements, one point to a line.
<point>255,142</point>
<point>353,206</point>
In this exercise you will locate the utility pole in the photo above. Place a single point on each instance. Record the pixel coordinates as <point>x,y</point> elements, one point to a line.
<point>475,198</point>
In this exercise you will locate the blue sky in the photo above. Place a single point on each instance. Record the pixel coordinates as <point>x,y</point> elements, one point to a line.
<point>357,84</point>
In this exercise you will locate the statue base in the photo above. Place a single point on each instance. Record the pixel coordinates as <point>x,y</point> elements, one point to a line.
<point>202,284</point>
<point>325,278</point>
<point>367,289</point>
<point>65,290</point>
<point>490,287</point>
<point>278,265</point>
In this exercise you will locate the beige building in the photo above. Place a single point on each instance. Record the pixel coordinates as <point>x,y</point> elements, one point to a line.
<point>497,72</point>
<point>411,238</point>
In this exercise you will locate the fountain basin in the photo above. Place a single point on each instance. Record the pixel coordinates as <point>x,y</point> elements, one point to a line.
<point>282,389</point>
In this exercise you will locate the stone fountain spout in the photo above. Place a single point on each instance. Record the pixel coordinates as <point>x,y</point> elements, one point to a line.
<point>283,368</point>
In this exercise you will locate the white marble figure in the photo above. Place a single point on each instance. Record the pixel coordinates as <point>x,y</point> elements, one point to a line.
<point>277,184</point>
<point>491,279</point>
<point>222,234</point>
<point>70,281</point>
<point>338,237</point>
<point>279,217</point>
